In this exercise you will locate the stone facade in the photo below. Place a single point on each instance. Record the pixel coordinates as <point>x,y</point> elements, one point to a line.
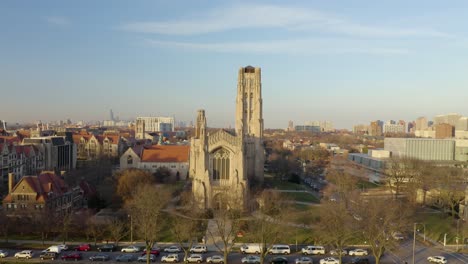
<point>224,164</point>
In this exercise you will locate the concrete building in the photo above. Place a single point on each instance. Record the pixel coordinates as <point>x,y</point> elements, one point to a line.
<point>324,126</point>
<point>304,128</point>
<point>361,129</point>
<point>153,124</point>
<point>223,164</point>
<point>444,130</point>
<point>461,129</point>
<point>421,123</point>
<point>59,152</point>
<point>450,119</point>
<point>423,149</point>
<point>375,128</point>
<point>393,128</point>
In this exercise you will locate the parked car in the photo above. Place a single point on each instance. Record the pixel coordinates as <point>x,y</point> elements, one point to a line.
<point>398,236</point>
<point>280,249</point>
<point>107,248</point>
<point>143,258</point>
<point>313,250</point>
<point>170,258</point>
<point>251,249</point>
<point>130,249</point>
<point>124,258</point>
<point>358,252</point>
<point>194,258</point>
<point>329,260</point>
<point>72,256</point>
<point>173,249</point>
<point>250,260</point>
<point>99,257</point>
<point>27,254</point>
<point>334,252</point>
<point>198,249</point>
<point>303,260</point>
<point>54,249</point>
<point>83,247</point>
<point>437,259</point>
<point>279,260</point>
<point>215,259</point>
<point>3,253</point>
<point>359,261</point>
<point>48,255</point>
<point>63,247</point>
<point>153,251</point>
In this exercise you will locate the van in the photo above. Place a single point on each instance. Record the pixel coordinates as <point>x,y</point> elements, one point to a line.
<point>280,249</point>
<point>53,249</point>
<point>313,250</point>
<point>251,249</point>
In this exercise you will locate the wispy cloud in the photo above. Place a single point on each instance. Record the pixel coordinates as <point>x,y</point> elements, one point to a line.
<point>275,17</point>
<point>57,21</point>
<point>299,47</point>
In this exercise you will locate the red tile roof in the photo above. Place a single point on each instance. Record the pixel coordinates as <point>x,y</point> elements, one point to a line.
<point>166,153</point>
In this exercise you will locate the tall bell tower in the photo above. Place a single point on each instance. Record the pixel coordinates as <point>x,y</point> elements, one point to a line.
<point>249,119</point>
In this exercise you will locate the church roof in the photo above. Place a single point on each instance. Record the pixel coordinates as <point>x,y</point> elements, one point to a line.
<point>166,153</point>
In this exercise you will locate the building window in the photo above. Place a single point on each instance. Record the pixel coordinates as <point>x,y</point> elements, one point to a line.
<point>129,160</point>
<point>221,164</point>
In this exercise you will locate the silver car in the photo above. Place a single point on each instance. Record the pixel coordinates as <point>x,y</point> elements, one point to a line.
<point>303,260</point>
<point>251,260</point>
<point>215,259</point>
<point>3,253</point>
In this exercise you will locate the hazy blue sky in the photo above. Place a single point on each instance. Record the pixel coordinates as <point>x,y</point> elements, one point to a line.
<point>345,61</point>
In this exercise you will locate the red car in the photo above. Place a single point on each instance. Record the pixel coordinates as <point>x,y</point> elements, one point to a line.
<point>72,256</point>
<point>152,252</point>
<point>83,247</point>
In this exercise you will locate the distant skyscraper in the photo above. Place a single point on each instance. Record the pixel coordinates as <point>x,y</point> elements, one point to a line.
<point>290,125</point>
<point>421,123</point>
<point>111,115</point>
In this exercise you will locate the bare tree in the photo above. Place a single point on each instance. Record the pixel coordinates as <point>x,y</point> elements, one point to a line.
<point>401,172</point>
<point>185,230</point>
<point>64,225</point>
<point>336,227</point>
<point>43,223</point>
<point>117,229</point>
<point>344,184</point>
<point>94,229</point>
<point>146,210</point>
<point>6,224</point>
<point>451,188</point>
<point>268,223</point>
<point>225,224</point>
<point>379,219</point>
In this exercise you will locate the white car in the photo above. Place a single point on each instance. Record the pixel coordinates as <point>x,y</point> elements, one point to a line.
<point>3,253</point>
<point>27,254</point>
<point>329,260</point>
<point>170,258</point>
<point>130,249</point>
<point>303,260</point>
<point>437,259</point>
<point>358,252</point>
<point>250,260</point>
<point>173,249</point>
<point>194,258</point>
<point>63,247</point>
<point>334,252</point>
<point>215,259</point>
<point>198,249</point>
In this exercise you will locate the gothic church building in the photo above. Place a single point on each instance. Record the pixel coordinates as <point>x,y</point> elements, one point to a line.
<point>223,164</point>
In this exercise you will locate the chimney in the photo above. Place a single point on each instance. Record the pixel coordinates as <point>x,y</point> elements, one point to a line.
<point>11,181</point>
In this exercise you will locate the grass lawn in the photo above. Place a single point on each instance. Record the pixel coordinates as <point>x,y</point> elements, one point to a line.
<point>366,185</point>
<point>274,183</point>
<point>302,197</point>
<point>439,224</point>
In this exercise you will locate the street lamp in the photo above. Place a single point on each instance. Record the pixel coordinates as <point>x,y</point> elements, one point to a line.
<point>414,236</point>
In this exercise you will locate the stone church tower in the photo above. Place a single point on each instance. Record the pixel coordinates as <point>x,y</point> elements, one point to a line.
<point>224,164</point>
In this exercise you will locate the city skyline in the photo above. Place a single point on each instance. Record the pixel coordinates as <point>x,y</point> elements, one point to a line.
<point>348,63</point>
